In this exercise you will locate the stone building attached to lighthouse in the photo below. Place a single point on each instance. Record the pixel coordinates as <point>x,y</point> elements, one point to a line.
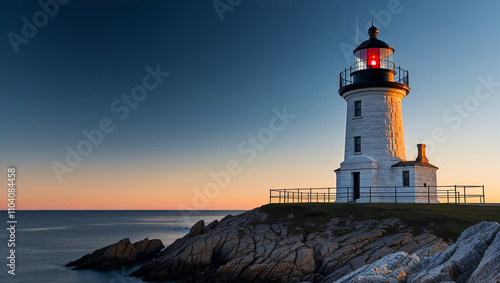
<point>375,168</point>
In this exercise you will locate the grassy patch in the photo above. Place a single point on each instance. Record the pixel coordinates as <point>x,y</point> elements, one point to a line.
<point>444,220</point>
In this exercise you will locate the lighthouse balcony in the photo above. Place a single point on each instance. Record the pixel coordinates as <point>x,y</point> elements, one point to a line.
<point>361,74</point>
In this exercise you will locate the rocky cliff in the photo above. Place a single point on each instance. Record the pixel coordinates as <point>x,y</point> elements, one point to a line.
<point>326,243</point>
<point>249,248</point>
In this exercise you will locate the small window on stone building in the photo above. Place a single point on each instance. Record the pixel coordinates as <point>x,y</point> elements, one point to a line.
<point>357,144</point>
<point>357,108</point>
<point>406,178</point>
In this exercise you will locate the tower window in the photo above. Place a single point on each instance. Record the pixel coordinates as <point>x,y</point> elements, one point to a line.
<point>357,108</point>
<point>406,178</point>
<point>357,144</point>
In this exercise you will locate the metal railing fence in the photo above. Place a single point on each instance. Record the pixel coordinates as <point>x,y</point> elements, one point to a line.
<point>404,194</point>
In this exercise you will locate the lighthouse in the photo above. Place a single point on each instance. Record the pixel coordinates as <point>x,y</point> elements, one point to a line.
<point>375,168</point>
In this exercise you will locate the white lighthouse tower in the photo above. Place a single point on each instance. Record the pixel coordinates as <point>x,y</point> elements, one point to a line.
<point>375,168</point>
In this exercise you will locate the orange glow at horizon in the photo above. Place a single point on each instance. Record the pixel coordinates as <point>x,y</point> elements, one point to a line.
<point>123,188</point>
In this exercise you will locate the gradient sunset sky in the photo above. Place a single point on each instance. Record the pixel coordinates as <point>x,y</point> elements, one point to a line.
<point>227,71</point>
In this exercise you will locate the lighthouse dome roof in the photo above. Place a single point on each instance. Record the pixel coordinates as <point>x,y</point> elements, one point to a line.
<point>373,41</point>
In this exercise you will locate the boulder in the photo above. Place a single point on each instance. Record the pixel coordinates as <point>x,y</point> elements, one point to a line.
<point>459,262</point>
<point>488,269</point>
<point>118,255</point>
<point>212,224</point>
<point>197,229</point>
<point>475,257</point>
<point>391,268</point>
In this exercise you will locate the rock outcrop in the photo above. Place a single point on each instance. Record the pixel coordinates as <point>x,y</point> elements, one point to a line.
<point>119,255</point>
<point>475,257</point>
<point>247,248</point>
<point>309,246</point>
<point>490,262</point>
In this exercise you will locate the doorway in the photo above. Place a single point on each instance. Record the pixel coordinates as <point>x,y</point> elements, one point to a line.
<point>355,185</point>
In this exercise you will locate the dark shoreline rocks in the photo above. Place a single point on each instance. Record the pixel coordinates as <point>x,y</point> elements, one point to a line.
<point>118,255</point>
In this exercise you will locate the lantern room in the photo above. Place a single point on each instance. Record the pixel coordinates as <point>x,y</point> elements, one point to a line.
<point>373,53</point>
<point>373,62</point>
<point>374,58</point>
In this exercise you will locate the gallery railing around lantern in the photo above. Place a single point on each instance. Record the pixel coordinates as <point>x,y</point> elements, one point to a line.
<point>404,194</point>
<point>401,75</point>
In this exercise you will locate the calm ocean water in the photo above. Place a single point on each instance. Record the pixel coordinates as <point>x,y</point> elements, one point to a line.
<point>47,240</point>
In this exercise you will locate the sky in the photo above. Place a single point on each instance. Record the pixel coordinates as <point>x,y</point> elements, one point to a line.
<point>209,104</point>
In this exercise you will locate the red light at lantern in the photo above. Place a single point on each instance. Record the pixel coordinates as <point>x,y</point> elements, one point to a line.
<point>373,61</point>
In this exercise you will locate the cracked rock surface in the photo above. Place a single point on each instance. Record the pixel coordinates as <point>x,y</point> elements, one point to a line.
<point>475,257</point>
<point>246,248</point>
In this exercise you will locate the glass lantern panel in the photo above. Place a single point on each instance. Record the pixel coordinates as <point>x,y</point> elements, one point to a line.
<point>385,53</point>
<point>382,53</point>
<point>390,59</point>
<point>360,55</point>
<point>385,58</point>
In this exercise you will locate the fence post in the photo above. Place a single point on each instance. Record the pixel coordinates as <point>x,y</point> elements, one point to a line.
<point>447,196</point>
<point>328,195</point>
<point>484,201</point>
<point>347,194</point>
<point>428,195</point>
<point>455,194</point>
<point>465,196</point>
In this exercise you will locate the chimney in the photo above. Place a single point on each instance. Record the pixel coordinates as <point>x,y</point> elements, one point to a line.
<point>421,153</point>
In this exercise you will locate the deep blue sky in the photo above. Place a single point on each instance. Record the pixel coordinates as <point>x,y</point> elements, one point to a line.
<point>227,76</point>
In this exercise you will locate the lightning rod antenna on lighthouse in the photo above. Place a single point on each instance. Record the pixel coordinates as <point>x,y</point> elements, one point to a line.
<point>356,31</point>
